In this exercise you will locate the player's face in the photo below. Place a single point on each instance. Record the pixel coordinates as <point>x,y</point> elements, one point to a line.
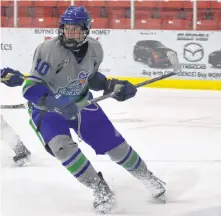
<point>73,32</point>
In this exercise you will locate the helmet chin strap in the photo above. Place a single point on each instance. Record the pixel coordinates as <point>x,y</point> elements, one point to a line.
<point>79,46</point>
<point>76,47</point>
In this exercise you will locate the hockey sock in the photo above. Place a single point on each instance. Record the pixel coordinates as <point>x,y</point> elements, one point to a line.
<point>129,159</point>
<point>71,157</point>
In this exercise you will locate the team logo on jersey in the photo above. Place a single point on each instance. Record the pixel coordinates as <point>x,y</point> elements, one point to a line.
<point>75,87</point>
<point>83,77</point>
<point>62,65</point>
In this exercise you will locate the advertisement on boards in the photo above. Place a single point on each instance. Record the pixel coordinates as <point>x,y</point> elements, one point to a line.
<point>129,53</point>
<point>144,54</point>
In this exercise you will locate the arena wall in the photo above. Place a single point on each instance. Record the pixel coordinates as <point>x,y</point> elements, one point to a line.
<point>195,50</point>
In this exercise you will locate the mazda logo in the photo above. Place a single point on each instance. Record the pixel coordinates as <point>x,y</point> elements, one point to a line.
<point>193,52</point>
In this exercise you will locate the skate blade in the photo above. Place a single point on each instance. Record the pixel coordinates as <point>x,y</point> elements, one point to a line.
<point>23,162</point>
<point>160,198</point>
<point>105,208</point>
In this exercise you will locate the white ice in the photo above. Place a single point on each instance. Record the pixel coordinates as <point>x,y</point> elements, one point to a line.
<point>177,133</point>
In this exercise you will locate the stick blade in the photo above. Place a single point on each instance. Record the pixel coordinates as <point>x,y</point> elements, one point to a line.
<point>17,106</point>
<point>173,58</point>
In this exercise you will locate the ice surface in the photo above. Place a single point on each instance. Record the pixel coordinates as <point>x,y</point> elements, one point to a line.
<point>178,134</point>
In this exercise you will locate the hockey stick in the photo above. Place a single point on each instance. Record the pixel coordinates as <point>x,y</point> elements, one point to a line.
<point>172,56</point>
<point>15,106</point>
<point>147,82</point>
<point>9,75</point>
<point>101,98</point>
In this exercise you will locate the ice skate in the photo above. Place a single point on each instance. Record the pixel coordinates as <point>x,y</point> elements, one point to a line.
<point>104,198</point>
<point>156,187</point>
<point>22,154</point>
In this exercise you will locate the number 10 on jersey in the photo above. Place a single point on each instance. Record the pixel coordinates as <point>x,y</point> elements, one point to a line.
<point>42,67</point>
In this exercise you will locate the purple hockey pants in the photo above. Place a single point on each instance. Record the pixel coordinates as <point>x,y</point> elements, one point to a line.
<point>95,128</point>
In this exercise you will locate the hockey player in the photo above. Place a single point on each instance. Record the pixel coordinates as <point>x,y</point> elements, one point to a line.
<point>64,69</point>
<point>13,78</point>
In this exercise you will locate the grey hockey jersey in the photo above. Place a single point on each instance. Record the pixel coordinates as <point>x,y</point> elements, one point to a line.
<point>58,69</point>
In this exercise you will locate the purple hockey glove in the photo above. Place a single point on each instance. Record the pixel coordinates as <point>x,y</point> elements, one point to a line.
<point>60,105</point>
<point>11,77</point>
<point>124,89</point>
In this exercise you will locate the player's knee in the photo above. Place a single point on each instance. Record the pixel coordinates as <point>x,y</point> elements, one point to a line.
<point>120,152</point>
<point>63,147</point>
<point>126,156</point>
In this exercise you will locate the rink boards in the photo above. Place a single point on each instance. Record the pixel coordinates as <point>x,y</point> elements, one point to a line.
<point>178,84</point>
<point>135,55</point>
